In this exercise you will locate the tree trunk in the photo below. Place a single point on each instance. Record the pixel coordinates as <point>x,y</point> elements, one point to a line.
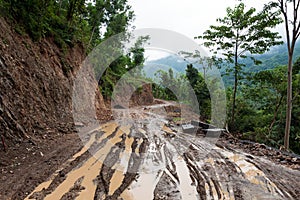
<point>234,95</point>
<point>289,103</point>
<point>71,10</point>
<point>275,115</point>
<point>235,82</point>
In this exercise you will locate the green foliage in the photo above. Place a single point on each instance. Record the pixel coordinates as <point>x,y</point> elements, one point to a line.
<point>275,57</point>
<point>240,32</point>
<point>200,88</point>
<point>183,86</point>
<point>165,90</point>
<point>243,31</point>
<point>192,74</point>
<point>261,107</point>
<point>290,11</point>
<point>69,21</point>
<point>111,75</point>
<point>133,59</point>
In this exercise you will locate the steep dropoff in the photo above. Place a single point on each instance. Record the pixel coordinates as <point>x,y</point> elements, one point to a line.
<point>36,81</point>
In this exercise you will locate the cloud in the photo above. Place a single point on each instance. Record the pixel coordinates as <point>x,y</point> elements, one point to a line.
<point>189,17</point>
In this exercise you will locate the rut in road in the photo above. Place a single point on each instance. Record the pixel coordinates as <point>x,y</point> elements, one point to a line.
<point>142,161</point>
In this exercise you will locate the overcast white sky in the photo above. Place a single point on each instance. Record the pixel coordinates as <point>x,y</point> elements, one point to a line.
<point>188,17</point>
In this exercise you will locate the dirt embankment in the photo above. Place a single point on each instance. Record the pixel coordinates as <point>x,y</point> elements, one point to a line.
<point>129,95</point>
<point>36,83</point>
<point>143,96</point>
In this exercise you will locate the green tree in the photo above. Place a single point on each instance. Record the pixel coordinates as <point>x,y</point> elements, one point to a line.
<point>295,127</point>
<point>110,17</point>
<point>69,21</point>
<point>261,109</point>
<point>200,88</point>
<point>242,32</point>
<point>136,54</point>
<point>292,29</point>
<point>133,59</point>
<point>192,75</point>
<point>75,6</point>
<point>167,84</point>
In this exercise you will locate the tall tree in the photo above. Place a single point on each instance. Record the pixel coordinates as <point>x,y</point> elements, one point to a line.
<point>292,30</point>
<point>242,32</point>
<point>200,88</point>
<point>108,18</point>
<point>75,6</point>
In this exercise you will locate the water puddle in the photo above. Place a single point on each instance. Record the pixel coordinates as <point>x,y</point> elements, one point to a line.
<point>40,187</point>
<point>90,174</point>
<point>46,184</point>
<point>137,149</point>
<point>108,130</point>
<point>167,129</point>
<point>115,181</point>
<point>121,166</point>
<point>143,188</point>
<point>126,195</point>
<point>90,169</point>
<point>187,190</point>
<point>71,178</point>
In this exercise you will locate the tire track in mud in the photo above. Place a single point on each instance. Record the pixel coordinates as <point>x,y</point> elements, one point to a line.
<point>116,164</point>
<point>58,186</point>
<point>81,158</point>
<point>231,176</point>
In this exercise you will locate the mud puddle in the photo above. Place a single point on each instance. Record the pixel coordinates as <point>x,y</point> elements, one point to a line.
<point>140,160</point>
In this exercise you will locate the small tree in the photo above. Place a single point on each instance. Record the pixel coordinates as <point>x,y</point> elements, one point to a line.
<point>242,32</point>
<point>292,29</point>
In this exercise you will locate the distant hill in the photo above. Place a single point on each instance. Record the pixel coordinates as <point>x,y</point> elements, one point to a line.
<point>278,55</point>
<point>177,64</point>
<point>150,69</point>
<point>275,57</point>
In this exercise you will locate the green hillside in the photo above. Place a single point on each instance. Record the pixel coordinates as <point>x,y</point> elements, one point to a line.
<point>177,64</point>
<point>275,57</point>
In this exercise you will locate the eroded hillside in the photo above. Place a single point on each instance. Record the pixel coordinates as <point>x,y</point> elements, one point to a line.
<point>35,85</point>
<point>36,122</point>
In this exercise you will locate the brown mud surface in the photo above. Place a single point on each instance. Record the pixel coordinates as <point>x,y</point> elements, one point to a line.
<point>28,163</point>
<point>141,155</point>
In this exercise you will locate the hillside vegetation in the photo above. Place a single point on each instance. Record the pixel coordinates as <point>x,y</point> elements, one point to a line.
<point>43,44</point>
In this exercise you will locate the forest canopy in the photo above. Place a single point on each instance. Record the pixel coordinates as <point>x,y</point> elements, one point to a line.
<point>69,21</point>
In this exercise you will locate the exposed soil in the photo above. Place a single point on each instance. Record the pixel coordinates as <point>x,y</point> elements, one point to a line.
<point>36,124</point>
<point>143,162</point>
<point>28,163</point>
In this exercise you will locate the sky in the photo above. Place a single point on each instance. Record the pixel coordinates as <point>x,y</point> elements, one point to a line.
<point>189,17</point>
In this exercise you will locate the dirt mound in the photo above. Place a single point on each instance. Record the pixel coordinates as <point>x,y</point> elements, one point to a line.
<point>128,95</point>
<point>143,96</point>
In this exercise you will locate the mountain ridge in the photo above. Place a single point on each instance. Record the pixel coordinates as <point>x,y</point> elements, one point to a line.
<point>275,57</point>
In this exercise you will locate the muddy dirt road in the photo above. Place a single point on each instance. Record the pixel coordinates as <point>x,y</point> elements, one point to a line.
<point>138,156</point>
